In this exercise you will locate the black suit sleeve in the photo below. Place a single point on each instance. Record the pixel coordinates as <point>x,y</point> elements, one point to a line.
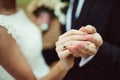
<point>108,57</point>
<point>111,45</point>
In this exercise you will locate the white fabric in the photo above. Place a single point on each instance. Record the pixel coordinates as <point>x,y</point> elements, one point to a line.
<point>68,24</point>
<point>69,16</point>
<point>28,37</point>
<point>79,8</point>
<point>85,60</point>
<point>69,12</point>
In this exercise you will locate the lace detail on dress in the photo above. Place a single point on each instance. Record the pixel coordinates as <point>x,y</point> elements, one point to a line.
<point>28,37</point>
<point>6,22</point>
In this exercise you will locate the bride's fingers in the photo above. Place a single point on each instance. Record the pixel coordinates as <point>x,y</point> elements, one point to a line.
<point>72,38</point>
<point>63,54</point>
<point>71,32</point>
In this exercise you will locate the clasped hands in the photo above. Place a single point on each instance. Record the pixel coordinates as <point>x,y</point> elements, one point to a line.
<point>78,43</point>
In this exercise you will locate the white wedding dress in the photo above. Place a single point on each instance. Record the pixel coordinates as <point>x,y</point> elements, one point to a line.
<point>29,39</point>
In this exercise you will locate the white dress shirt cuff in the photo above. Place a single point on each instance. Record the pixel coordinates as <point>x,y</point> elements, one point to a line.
<point>85,60</point>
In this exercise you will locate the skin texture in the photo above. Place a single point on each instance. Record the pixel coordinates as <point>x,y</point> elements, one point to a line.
<point>15,63</point>
<point>80,43</point>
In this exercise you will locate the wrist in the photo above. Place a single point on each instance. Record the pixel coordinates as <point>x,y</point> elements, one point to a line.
<point>63,66</point>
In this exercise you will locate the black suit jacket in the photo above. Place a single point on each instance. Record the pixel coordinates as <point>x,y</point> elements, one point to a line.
<point>105,16</point>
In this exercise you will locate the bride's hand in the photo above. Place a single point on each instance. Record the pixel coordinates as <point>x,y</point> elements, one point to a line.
<point>65,56</point>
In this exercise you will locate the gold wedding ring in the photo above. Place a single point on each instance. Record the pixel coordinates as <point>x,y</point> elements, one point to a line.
<point>64,47</point>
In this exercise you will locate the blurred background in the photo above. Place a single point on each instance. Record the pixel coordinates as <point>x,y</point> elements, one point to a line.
<point>23,3</point>
<point>53,30</point>
<point>54,18</point>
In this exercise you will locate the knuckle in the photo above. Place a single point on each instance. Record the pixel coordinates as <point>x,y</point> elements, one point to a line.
<point>56,43</point>
<point>98,39</point>
<point>91,28</point>
<point>56,49</point>
<point>73,31</point>
<point>59,37</point>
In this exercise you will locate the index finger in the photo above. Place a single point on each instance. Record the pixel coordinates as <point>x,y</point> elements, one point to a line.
<point>72,32</point>
<point>88,29</point>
